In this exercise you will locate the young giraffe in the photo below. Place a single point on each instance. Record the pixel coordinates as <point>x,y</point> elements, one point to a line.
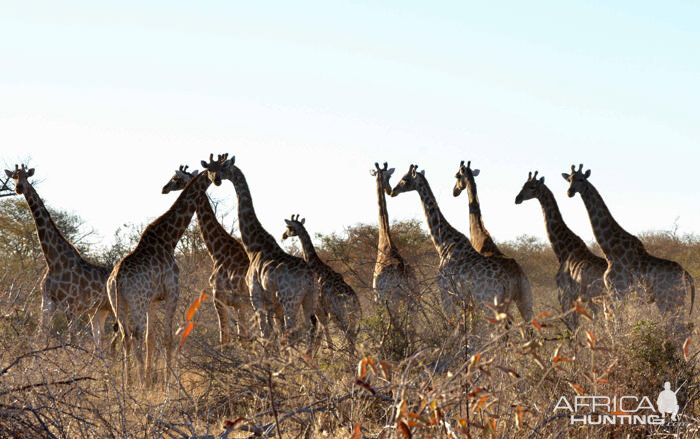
<point>580,272</point>
<point>70,284</point>
<point>394,280</point>
<point>630,267</point>
<point>336,297</point>
<point>149,274</point>
<point>463,273</point>
<point>481,239</point>
<point>278,282</point>
<point>229,259</point>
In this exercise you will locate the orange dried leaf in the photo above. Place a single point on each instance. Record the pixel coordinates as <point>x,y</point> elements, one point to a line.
<point>356,432</point>
<point>544,314</point>
<point>578,389</point>
<point>536,324</point>
<point>194,305</point>
<point>186,333</point>
<point>686,348</point>
<point>579,309</point>
<point>557,359</point>
<point>480,403</point>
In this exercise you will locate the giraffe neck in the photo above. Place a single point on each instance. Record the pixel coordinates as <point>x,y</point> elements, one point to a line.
<point>386,244</point>
<point>54,245</point>
<point>442,233</point>
<point>563,240</point>
<point>254,236</point>
<point>169,227</point>
<point>213,233</point>
<point>611,237</point>
<point>307,247</point>
<point>479,236</point>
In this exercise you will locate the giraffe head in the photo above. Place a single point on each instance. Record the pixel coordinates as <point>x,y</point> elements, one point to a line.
<point>20,177</point>
<point>464,175</point>
<point>294,226</point>
<point>409,181</point>
<point>219,169</point>
<point>383,175</point>
<point>179,180</point>
<point>578,180</point>
<point>530,188</point>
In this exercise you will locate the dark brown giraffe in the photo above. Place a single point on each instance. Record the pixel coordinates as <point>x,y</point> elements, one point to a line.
<point>580,273</point>
<point>481,239</point>
<point>279,283</point>
<point>229,259</point>
<point>630,267</point>
<point>71,284</point>
<point>336,299</point>
<point>149,275</point>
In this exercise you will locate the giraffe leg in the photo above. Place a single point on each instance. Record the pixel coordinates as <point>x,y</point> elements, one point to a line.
<point>222,315</point>
<point>149,343</point>
<point>169,306</point>
<point>308,305</point>
<point>97,323</point>
<point>261,313</point>
<point>137,322</point>
<point>48,309</point>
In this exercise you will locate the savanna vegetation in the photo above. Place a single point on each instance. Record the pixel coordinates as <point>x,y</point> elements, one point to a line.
<point>494,380</point>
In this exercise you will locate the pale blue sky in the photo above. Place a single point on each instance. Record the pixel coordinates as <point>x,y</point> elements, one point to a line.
<point>109,97</point>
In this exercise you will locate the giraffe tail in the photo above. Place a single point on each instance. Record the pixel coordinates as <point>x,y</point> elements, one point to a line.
<point>690,284</point>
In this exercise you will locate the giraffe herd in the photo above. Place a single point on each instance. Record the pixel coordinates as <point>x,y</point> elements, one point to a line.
<point>256,273</point>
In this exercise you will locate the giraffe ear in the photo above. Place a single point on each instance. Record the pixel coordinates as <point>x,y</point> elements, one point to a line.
<point>205,165</point>
<point>31,172</point>
<point>303,220</point>
<point>542,180</point>
<point>475,172</point>
<point>587,174</point>
<point>423,172</point>
<point>565,176</point>
<point>195,172</point>
<point>229,162</point>
<point>372,172</point>
<point>288,222</point>
<point>8,173</point>
<point>389,171</point>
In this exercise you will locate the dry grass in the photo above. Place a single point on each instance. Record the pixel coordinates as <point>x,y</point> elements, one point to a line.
<point>493,382</point>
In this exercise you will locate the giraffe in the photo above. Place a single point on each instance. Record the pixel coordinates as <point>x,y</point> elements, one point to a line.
<point>481,239</point>
<point>580,272</point>
<point>463,273</point>
<point>148,275</point>
<point>278,282</point>
<point>229,259</point>
<point>394,280</point>
<point>336,298</point>
<point>70,283</point>
<point>630,267</point>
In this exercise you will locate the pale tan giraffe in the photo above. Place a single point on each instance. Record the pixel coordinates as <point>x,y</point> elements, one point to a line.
<point>630,267</point>
<point>580,273</point>
<point>148,275</point>
<point>394,281</point>
<point>229,259</point>
<point>483,243</point>
<point>463,274</point>
<point>278,283</point>
<point>71,284</point>
<point>336,298</point>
